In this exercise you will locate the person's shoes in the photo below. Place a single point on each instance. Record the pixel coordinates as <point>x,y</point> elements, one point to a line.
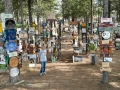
<point>44,72</point>
<point>40,74</point>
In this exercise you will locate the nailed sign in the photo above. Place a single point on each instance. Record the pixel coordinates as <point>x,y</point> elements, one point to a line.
<point>106,19</point>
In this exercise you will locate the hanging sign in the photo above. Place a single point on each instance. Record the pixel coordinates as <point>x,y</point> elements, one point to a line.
<point>106,35</point>
<point>11,46</point>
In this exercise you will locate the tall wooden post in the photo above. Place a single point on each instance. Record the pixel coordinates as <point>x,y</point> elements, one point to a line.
<point>91,16</point>
<point>105,15</point>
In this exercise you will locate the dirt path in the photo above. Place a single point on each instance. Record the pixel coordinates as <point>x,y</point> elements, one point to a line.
<point>65,75</point>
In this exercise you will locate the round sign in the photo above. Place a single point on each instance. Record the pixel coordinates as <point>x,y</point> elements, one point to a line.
<point>13,62</point>
<point>106,35</point>
<point>14,71</point>
<point>11,46</point>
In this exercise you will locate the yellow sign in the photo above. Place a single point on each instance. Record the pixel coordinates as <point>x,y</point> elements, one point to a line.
<point>73,23</point>
<point>83,25</point>
<point>1,28</point>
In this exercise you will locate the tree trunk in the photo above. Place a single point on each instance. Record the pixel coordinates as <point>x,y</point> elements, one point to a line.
<point>109,8</point>
<point>38,19</point>
<point>105,15</point>
<point>9,10</point>
<point>8,6</point>
<point>30,12</point>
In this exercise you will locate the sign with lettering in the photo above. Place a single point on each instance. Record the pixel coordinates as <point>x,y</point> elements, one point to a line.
<point>13,54</point>
<point>107,59</point>
<point>106,19</point>
<point>23,34</point>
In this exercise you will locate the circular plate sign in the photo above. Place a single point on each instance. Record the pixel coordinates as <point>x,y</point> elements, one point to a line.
<point>13,62</point>
<point>14,71</point>
<point>11,46</point>
<point>106,35</point>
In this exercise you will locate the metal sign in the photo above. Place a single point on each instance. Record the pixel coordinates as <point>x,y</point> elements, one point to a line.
<point>11,46</point>
<point>107,59</point>
<point>12,54</point>
<point>14,71</point>
<point>106,19</point>
<point>25,57</point>
<point>106,35</point>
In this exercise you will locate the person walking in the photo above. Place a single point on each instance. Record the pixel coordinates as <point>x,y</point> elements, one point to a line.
<point>43,59</point>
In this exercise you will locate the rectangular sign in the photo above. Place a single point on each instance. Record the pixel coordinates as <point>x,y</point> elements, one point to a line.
<point>107,59</point>
<point>105,64</point>
<point>105,41</point>
<point>106,19</point>
<point>105,69</point>
<point>12,54</point>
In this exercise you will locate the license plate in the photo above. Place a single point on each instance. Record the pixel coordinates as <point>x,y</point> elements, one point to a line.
<point>12,54</point>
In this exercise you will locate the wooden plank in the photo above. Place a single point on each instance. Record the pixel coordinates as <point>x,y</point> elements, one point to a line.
<point>105,64</point>
<point>105,69</point>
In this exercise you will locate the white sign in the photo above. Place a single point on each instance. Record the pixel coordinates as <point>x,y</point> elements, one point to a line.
<point>106,35</point>
<point>106,20</point>
<point>12,54</point>
<point>2,59</point>
<point>3,16</point>
<point>107,59</point>
<point>51,16</point>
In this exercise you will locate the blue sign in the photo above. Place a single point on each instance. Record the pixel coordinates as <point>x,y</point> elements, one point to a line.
<point>44,24</point>
<point>10,34</point>
<point>11,46</point>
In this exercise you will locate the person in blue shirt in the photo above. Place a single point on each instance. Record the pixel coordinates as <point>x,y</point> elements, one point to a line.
<point>43,59</point>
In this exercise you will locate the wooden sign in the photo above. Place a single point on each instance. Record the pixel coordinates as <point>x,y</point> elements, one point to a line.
<point>83,25</point>
<point>92,51</point>
<point>105,64</point>
<point>25,65</point>
<point>105,69</point>
<point>13,62</point>
<point>105,41</point>
<point>73,23</point>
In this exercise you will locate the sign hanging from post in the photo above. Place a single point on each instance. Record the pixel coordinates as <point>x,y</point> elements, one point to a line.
<point>106,20</point>
<point>51,16</point>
